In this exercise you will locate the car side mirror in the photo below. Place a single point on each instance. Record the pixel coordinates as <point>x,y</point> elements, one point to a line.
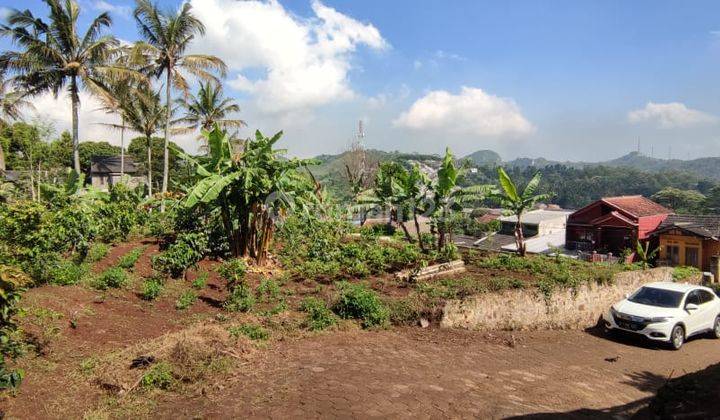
<point>691,307</point>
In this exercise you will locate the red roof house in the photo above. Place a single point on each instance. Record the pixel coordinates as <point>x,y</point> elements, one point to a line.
<point>613,224</point>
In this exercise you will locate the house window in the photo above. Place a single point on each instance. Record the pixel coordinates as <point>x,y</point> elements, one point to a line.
<point>673,254</point>
<point>691,256</point>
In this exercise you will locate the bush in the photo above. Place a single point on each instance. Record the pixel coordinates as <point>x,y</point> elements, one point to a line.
<point>113,277</point>
<point>200,281</point>
<point>97,251</point>
<point>251,331</point>
<point>233,271</point>
<point>186,251</point>
<point>685,272</point>
<point>356,301</point>
<point>319,316</point>
<point>152,288</point>
<point>13,282</point>
<point>66,272</point>
<point>159,376</point>
<point>186,300</point>
<point>128,260</point>
<point>240,298</point>
<point>268,290</point>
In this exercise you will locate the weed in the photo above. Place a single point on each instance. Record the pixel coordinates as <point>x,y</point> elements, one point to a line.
<point>128,260</point>
<point>240,298</point>
<point>66,272</point>
<point>201,281</point>
<point>186,300</point>
<point>87,366</point>
<point>268,290</point>
<point>159,376</point>
<point>357,301</point>
<point>113,277</point>
<point>97,251</point>
<point>251,331</point>
<point>233,271</point>
<point>681,273</point>
<point>319,316</point>
<point>152,288</point>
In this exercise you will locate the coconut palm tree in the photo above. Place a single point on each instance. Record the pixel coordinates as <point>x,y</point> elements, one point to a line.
<point>11,102</point>
<point>167,38</point>
<point>208,107</point>
<point>143,113</point>
<point>54,55</point>
<point>117,93</point>
<point>518,203</point>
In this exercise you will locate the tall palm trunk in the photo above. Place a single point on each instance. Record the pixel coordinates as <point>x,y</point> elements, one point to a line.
<point>75,99</point>
<point>166,153</point>
<point>122,148</point>
<point>149,165</point>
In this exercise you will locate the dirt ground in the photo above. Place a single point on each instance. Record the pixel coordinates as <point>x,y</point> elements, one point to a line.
<point>399,373</point>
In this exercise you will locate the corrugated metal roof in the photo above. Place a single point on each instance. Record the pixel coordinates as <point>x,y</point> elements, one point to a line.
<point>111,164</point>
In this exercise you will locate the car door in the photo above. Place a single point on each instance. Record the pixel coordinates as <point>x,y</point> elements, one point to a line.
<point>708,309</point>
<point>694,319</point>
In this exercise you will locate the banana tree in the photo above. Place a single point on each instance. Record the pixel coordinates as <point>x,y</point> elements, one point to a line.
<point>448,195</point>
<point>518,203</point>
<point>248,189</point>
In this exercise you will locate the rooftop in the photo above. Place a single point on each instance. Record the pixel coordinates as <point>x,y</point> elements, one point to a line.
<point>637,205</point>
<point>534,217</point>
<point>111,164</point>
<point>705,225</point>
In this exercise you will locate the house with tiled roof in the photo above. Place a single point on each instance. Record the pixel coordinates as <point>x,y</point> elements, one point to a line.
<point>690,240</point>
<point>613,224</point>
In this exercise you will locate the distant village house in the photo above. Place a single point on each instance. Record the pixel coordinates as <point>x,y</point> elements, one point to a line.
<point>105,171</point>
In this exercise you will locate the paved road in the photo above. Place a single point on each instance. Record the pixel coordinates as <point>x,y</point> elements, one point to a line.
<point>437,373</point>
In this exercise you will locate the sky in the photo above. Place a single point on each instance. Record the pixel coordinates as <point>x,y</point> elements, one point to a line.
<point>560,79</point>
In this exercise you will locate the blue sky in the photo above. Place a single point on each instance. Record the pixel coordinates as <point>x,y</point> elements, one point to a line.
<point>567,80</point>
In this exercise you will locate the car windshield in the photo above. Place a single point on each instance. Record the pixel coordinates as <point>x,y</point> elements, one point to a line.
<point>657,297</point>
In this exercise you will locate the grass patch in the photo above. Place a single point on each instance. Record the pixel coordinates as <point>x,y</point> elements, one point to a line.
<point>357,301</point>
<point>113,277</point>
<point>128,260</point>
<point>159,376</point>
<point>240,299</point>
<point>319,316</point>
<point>251,331</point>
<point>97,251</point>
<point>152,288</point>
<point>201,281</point>
<point>66,273</point>
<point>186,300</point>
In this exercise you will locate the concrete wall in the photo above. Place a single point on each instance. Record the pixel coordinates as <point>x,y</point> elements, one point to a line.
<point>528,309</point>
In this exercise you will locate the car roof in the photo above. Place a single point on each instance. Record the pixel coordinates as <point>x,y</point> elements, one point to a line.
<point>677,287</point>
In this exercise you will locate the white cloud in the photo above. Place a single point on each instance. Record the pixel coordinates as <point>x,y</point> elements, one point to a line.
<point>58,112</point>
<point>4,13</point>
<point>670,115</point>
<point>304,62</point>
<point>472,112</point>
<point>105,6</point>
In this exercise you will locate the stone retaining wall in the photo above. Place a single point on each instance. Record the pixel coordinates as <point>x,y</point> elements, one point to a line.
<point>528,309</point>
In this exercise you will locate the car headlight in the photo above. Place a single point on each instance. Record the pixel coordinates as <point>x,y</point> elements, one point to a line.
<point>658,319</point>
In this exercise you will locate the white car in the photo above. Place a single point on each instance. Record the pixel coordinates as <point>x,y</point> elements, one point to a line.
<point>666,311</point>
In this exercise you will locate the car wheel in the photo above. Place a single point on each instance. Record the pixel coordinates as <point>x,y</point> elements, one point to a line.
<point>677,337</point>
<point>716,327</point>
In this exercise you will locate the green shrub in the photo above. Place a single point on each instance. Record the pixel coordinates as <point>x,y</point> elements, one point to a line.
<point>152,288</point>
<point>186,300</point>
<point>233,271</point>
<point>315,270</point>
<point>159,376</point>
<point>268,290</point>
<point>240,298</point>
<point>251,331</point>
<point>128,260</point>
<point>450,288</point>
<point>113,277</point>
<point>448,253</point>
<point>97,251</point>
<point>685,272</point>
<point>319,316</point>
<point>186,251</point>
<point>357,301</point>
<point>66,272</point>
<point>201,281</point>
